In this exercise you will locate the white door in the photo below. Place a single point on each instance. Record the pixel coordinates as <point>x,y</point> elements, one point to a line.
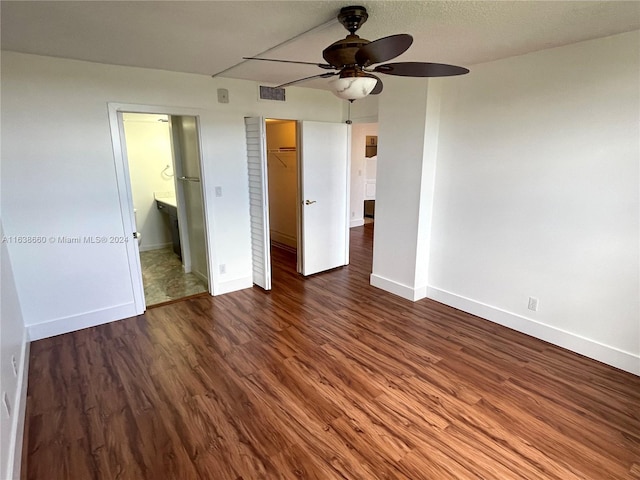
<point>116,121</point>
<point>259,201</point>
<point>324,193</point>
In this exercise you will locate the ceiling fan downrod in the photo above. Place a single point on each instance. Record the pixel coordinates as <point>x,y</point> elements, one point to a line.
<point>353,17</point>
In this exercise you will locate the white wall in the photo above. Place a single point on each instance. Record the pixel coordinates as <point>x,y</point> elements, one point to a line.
<point>370,172</point>
<point>361,169</point>
<point>13,344</point>
<point>149,153</point>
<point>404,185</point>
<point>364,110</point>
<point>59,178</point>
<point>537,195</point>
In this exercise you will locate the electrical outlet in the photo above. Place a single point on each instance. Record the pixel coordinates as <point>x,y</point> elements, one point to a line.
<point>14,364</point>
<point>218,191</point>
<point>223,269</point>
<point>7,404</point>
<point>533,304</point>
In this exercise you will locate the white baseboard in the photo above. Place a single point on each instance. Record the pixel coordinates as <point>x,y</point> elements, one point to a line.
<point>283,238</point>
<point>233,285</point>
<point>282,246</point>
<point>404,291</point>
<point>626,361</point>
<point>59,326</point>
<point>20,402</point>
<point>157,246</point>
<point>201,276</point>
<point>358,222</point>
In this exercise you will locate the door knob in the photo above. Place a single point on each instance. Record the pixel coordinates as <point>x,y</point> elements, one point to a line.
<point>309,202</point>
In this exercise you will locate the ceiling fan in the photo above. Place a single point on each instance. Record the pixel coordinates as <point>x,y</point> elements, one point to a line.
<point>353,60</point>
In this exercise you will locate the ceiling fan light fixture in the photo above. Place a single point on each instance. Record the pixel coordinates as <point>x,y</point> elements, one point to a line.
<point>352,88</point>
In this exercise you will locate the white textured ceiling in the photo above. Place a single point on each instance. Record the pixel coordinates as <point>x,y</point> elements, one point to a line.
<point>208,37</point>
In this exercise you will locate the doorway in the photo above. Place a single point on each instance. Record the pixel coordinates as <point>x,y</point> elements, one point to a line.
<point>163,160</point>
<point>282,179</point>
<point>364,159</point>
<point>322,206</point>
<point>282,175</point>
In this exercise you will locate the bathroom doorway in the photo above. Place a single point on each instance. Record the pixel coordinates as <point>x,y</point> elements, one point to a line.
<point>163,159</point>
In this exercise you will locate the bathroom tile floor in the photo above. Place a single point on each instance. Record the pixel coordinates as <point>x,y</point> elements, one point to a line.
<point>164,279</point>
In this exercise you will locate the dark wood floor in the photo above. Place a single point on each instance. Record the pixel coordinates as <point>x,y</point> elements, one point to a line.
<point>323,378</point>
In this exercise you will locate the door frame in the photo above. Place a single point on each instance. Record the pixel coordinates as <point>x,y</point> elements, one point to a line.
<point>125,194</point>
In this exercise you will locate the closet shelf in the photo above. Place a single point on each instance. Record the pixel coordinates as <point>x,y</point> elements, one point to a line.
<point>281,150</point>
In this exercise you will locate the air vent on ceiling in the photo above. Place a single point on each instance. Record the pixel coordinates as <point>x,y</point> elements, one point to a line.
<point>272,93</point>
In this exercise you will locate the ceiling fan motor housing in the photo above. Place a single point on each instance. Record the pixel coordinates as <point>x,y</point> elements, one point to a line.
<point>343,52</point>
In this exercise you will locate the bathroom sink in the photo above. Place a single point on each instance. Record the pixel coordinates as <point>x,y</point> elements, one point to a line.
<point>169,201</point>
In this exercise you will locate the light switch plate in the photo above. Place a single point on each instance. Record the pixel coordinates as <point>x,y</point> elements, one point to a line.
<point>223,95</point>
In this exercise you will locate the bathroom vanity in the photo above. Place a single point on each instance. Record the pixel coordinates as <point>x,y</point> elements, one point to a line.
<point>169,207</point>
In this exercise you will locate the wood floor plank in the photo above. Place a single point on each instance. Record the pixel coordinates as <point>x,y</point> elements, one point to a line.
<point>326,378</point>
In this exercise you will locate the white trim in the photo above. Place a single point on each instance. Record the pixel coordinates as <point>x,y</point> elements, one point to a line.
<point>626,361</point>
<point>156,246</point>
<point>399,289</point>
<point>356,223</point>
<point>299,219</point>
<point>347,197</point>
<point>62,325</point>
<point>233,285</point>
<point>14,462</point>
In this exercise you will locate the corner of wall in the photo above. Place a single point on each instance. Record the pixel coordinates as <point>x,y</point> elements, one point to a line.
<point>410,293</point>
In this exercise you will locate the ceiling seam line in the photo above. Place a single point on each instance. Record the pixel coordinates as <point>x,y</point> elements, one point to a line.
<point>317,28</point>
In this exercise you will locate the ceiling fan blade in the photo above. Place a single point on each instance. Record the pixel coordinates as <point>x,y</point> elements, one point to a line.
<point>300,80</point>
<point>326,66</point>
<point>378,88</point>
<point>420,69</point>
<point>383,49</point>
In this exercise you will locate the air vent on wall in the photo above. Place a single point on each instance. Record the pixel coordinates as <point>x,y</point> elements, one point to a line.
<point>272,93</point>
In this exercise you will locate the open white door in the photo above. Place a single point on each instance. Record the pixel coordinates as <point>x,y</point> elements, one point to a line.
<point>118,137</point>
<point>324,193</point>
<point>259,201</point>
